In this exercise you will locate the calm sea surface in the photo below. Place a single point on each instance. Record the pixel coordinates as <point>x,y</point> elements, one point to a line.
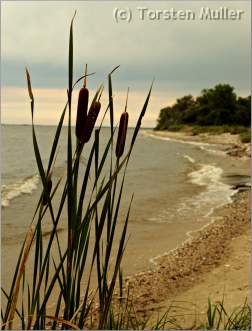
<point>176,187</point>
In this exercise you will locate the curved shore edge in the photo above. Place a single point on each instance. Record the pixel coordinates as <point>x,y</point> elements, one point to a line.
<point>216,193</point>
<point>233,145</point>
<point>215,262</point>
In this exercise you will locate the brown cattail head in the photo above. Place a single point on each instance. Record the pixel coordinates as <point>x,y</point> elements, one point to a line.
<point>91,119</point>
<point>81,118</point>
<point>49,188</point>
<point>122,132</point>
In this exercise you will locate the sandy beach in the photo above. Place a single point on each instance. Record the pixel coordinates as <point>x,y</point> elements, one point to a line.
<point>214,263</point>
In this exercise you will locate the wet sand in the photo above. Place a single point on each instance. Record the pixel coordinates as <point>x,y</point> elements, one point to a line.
<point>213,263</point>
<point>224,138</point>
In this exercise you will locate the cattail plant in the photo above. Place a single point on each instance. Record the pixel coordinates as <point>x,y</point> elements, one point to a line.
<point>82,107</point>
<point>60,280</point>
<point>91,120</point>
<point>122,133</point>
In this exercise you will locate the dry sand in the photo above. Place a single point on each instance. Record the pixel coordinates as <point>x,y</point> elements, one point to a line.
<point>214,263</point>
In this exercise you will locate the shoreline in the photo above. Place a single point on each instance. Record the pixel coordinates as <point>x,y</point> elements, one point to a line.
<point>188,274</point>
<point>232,143</point>
<point>212,263</point>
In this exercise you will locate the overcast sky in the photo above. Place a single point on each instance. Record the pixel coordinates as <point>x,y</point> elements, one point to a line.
<point>184,56</point>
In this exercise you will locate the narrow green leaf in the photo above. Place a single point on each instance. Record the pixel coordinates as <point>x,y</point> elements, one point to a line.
<point>139,122</point>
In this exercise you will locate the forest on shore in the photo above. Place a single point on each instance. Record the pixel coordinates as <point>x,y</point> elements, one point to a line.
<point>216,110</point>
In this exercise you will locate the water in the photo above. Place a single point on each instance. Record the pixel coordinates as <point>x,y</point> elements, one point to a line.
<point>176,188</point>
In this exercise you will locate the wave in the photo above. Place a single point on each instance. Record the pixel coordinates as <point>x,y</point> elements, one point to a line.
<point>217,193</point>
<point>11,191</point>
<point>206,175</point>
<point>201,206</point>
<point>189,158</point>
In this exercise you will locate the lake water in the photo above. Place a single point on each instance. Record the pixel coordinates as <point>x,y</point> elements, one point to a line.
<point>176,188</point>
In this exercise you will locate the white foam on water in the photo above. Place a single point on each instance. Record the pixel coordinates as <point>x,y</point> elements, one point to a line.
<point>26,186</point>
<point>189,158</point>
<point>206,175</point>
<point>216,194</point>
<point>200,206</point>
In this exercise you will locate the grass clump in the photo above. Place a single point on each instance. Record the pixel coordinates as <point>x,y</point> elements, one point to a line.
<point>219,129</point>
<point>59,273</point>
<point>176,127</point>
<point>177,317</point>
<point>219,319</point>
<point>245,137</point>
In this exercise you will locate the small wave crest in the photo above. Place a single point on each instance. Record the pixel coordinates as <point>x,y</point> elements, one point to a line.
<point>201,206</point>
<point>189,158</point>
<point>26,186</point>
<point>206,175</point>
<point>216,194</point>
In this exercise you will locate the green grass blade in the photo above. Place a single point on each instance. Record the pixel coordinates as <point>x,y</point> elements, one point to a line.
<point>116,269</point>
<point>139,122</point>
<point>70,195</point>
<point>51,286</point>
<point>111,104</point>
<point>56,139</point>
<point>9,297</point>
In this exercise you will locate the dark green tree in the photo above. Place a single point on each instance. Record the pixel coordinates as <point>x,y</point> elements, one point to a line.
<point>215,106</point>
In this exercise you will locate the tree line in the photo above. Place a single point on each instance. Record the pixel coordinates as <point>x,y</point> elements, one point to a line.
<point>215,106</point>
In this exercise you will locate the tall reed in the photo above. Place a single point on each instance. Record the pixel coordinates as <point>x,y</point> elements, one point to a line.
<point>60,280</point>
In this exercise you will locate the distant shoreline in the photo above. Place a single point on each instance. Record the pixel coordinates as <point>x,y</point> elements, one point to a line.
<point>65,125</point>
<point>232,141</point>
<point>224,138</point>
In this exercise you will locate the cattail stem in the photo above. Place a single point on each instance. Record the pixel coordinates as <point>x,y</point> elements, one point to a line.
<point>85,78</point>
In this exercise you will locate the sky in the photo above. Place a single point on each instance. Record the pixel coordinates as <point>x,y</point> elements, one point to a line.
<point>182,55</point>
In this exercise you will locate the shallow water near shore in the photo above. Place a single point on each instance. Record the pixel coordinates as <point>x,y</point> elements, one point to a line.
<point>176,188</point>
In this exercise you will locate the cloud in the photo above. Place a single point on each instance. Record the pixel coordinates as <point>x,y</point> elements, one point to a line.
<point>183,56</point>
<point>49,104</point>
